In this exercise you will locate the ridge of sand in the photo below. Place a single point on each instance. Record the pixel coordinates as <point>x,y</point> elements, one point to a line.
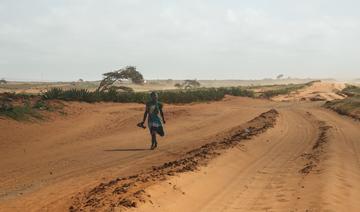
<point>318,91</point>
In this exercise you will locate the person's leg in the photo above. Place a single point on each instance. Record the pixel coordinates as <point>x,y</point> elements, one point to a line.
<point>151,135</point>
<point>153,139</point>
<point>160,131</point>
<point>155,143</point>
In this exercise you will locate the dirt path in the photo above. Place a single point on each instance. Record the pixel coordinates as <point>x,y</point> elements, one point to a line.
<point>309,161</point>
<point>271,172</point>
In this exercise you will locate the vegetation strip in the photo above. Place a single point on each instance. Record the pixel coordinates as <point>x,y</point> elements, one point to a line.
<point>349,106</point>
<point>167,96</point>
<point>127,192</point>
<point>284,89</point>
<point>25,107</point>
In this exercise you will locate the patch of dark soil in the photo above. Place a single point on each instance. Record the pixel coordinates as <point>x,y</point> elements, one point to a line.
<point>317,98</point>
<point>313,158</point>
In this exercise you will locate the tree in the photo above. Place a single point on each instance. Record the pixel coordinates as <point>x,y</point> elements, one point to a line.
<point>188,84</point>
<point>110,78</point>
<point>3,81</point>
<point>279,76</point>
<point>178,85</point>
<point>80,80</point>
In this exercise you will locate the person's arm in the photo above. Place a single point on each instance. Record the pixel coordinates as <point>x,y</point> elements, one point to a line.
<point>145,114</point>
<point>162,114</point>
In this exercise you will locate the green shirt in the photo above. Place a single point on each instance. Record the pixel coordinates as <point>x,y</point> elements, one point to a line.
<point>153,109</point>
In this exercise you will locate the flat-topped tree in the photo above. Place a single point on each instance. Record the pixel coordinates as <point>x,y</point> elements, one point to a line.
<point>178,85</point>
<point>3,81</point>
<point>189,84</point>
<point>127,73</point>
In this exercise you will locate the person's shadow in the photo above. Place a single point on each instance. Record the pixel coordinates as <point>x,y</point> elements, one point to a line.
<point>125,150</point>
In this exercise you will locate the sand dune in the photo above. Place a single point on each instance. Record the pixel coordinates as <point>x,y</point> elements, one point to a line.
<point>318,91</point>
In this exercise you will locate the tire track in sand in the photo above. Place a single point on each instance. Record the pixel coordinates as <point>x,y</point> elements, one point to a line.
<point>265,178</point>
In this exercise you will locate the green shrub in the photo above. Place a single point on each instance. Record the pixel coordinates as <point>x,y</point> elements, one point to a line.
<point>53,93</point>
<point>24,106</point>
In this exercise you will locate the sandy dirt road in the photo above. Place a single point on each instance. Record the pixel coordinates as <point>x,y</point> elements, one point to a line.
<point>44,164</point>
<point>271,172</point>
<point>309,161</point>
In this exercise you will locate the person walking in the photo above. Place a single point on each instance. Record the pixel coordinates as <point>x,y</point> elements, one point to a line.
<point>153,112</point>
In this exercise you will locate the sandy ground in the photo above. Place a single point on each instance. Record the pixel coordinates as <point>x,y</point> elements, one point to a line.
<point>270,173</point>
<point>319,91</point>
<point>310,160</point>
<point>50,161</point>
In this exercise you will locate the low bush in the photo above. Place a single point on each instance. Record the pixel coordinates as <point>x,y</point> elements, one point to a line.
<point>349,106</point>
<point>167,96</point>
<point>275,90</point>
<point>351,90</point>
<point>20,112</point>
<point>286,89</point>
<point>23,106</point>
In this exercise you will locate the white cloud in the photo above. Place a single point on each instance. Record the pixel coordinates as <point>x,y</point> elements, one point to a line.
<point>231,16</point>
<point>178,39</point>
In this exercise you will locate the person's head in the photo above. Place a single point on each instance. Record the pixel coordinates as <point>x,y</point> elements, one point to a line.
<point>154,96</point>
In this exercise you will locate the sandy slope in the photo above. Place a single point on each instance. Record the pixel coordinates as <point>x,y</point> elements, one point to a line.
<point>319,91</point>
<point>310,160</point>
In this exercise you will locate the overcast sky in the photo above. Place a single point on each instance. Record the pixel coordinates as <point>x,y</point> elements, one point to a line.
<point>224,39</point>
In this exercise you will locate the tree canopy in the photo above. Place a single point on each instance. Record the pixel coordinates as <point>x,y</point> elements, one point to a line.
<point>3,81</point>
<point>127,73</point>
<point>188,84</point>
